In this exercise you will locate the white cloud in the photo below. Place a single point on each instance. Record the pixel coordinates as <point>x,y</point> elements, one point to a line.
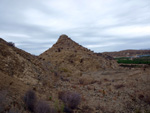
<point>102,45</point>
<point>106,24</point>
<point>4,34</point>
<point>129,31</point>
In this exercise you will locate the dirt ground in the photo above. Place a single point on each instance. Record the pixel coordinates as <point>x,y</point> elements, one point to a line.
<point>111,91</point>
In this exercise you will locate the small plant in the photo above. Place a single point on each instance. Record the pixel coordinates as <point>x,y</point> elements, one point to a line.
<point>50,98</point>
<point>137,111</point>
<point>104,93</point>
<point>43,107</point>
<point>65,70</point>
<point>59,107</point>
<point>70,99</point>
<point>30,100</point>
<point>11,44</point>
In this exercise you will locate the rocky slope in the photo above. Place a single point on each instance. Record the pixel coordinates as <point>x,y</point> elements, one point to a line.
<point>27,68</point>
<point>19,72</point>
<point>18,63</point>
<point>101,85</point>
<point>72,58</point>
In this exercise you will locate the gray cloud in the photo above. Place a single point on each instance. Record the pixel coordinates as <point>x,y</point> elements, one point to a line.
<point>108,25</point>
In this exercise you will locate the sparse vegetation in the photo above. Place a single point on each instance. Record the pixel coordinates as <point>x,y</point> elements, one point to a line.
<point>59,106</point>
<point>43,107</point>
<point>64,70</point>
<point>70,99</point>
<point>30,100</point>
<point>11,44</point>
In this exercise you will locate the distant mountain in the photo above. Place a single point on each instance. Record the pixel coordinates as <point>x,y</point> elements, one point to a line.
<point>128,53</point>
<point>71,57</point>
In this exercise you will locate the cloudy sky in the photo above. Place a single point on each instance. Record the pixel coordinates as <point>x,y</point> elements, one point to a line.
<point>100,25</point>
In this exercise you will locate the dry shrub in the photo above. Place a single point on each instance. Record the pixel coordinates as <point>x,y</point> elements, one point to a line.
<point>70,99</point>
<point>43,107</point>
<point>11,44</point>
<point>30,100</point>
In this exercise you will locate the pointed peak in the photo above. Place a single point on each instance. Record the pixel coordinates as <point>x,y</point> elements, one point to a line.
<point>64,39</point>
<point>63,36</point>
<point>66,43</point>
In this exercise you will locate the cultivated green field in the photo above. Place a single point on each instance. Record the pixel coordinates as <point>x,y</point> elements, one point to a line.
<point>140,60</point>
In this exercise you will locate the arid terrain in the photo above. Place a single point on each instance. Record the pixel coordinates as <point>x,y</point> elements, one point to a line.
<point>69,78</point>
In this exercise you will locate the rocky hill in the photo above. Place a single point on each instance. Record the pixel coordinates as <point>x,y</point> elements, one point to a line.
<point>127,53</point>
<point>71,57</point>
<point>38,84</point>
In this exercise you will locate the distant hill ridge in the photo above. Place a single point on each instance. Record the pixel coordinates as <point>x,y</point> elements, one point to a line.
<point>127,53</point>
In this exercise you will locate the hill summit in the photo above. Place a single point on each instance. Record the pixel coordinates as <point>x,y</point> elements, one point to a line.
<point>71,57</point>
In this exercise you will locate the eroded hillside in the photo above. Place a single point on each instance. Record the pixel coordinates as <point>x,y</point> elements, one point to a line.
<point>99,84</point>
<point>18,63</point>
